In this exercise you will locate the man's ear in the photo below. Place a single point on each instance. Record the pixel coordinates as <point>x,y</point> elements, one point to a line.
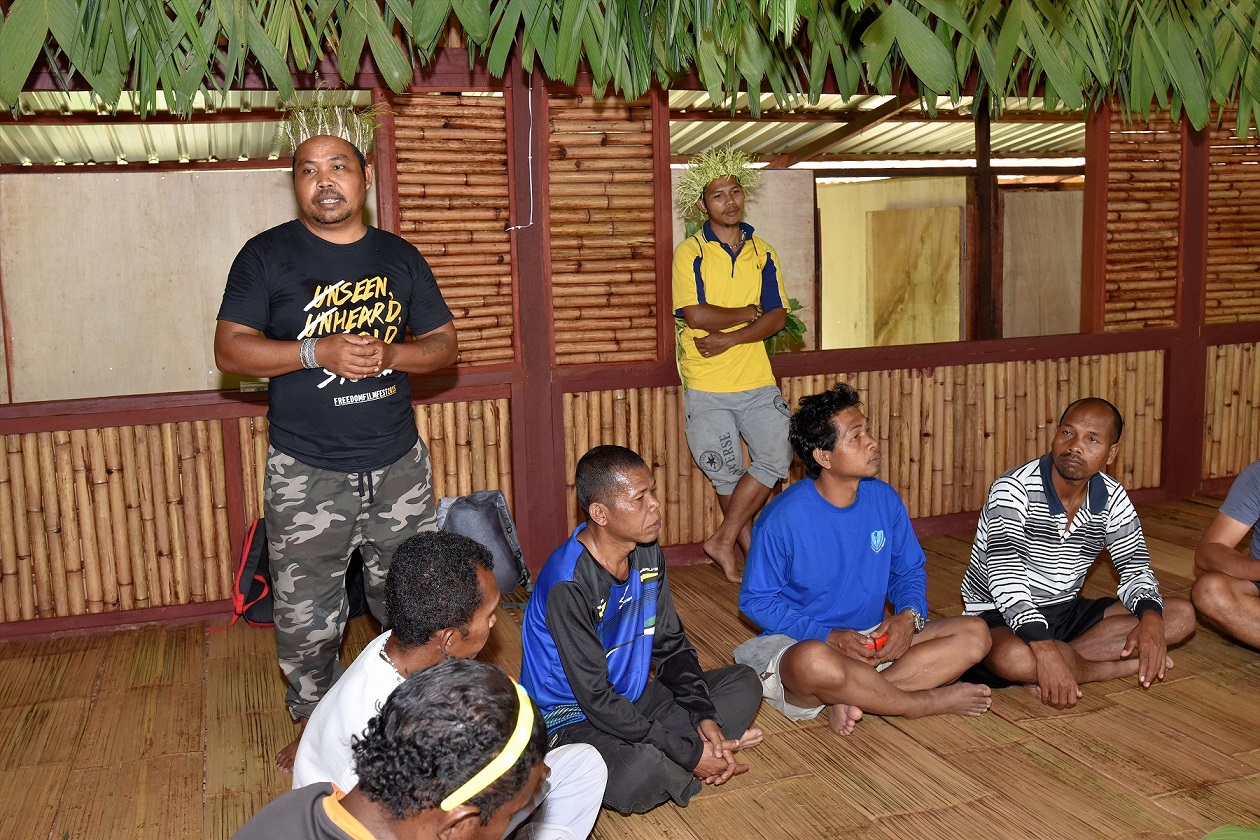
<point>461,821</point>
<point>1113,452</point>
<point>822,457</point>
<point>598,513</point>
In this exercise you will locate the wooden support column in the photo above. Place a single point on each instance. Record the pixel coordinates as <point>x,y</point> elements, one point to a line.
<point>1094,235</point>
<point>986,318</point>
<point>537,413</point>
<point>1186,377</point>
<point>385,165</point>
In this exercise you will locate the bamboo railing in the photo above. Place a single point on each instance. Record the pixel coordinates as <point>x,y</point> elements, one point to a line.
<point>1143,209</point>
<point>469,444</point>
<point>120,518</point>
<point>453,206</point>
<point>602,223</point>
<point>1233,254</point>
<point>945,433</point>
<point>1231,433</point>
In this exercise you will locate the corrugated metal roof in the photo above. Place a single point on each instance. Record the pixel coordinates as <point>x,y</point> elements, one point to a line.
<point>1026,128</point>
<point>69,128</point>
<point>72,128</point>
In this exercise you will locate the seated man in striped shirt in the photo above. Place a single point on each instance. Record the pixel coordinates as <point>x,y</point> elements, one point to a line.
<point>1043,526</point>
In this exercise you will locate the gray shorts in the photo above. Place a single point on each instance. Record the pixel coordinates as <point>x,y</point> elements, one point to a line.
<point>716,422</point>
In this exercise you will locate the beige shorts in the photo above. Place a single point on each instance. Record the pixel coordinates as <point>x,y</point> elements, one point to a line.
<point>763,654</point>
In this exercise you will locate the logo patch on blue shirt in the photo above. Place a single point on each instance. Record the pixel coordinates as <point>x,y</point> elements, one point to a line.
<point>877,541</point>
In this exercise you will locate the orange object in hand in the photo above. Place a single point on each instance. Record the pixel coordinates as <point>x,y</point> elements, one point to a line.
<point>876,644</point>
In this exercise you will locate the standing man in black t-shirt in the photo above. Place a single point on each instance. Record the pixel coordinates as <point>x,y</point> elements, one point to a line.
<point>335,301</point>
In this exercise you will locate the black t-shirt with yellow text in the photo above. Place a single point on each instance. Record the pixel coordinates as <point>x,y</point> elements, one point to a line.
<point>290,284</point>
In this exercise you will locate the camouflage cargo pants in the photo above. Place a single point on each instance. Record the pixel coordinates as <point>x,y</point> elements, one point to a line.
<point>315,520</point>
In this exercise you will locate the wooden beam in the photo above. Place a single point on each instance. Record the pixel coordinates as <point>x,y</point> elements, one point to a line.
<point>849,129</point>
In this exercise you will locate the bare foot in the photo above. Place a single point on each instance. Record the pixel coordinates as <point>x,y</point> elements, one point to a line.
<point>284,758</point>
<point>725,556</point>
<point>750,739</point>
<point>843,717</point>
<point>957,699</point>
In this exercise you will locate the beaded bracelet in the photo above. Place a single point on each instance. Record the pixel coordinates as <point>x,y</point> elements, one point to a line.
<point>308,353</point>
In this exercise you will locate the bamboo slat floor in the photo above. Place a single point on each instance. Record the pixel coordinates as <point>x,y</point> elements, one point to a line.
<point>169,732</point>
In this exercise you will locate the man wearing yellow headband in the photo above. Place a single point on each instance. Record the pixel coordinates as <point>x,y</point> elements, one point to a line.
<point>600,622</point>
<point>442,598</point>
<point>456,751</point>
<point>728,298</point>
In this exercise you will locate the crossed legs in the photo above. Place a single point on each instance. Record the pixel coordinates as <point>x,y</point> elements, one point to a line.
<point>1230,604</point>
<point>916,685</point>
<point>1095,654</point>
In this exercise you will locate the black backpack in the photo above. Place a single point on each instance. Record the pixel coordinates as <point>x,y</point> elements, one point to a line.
<point>252,597</point>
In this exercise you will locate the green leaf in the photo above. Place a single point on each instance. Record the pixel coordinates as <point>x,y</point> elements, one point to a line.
<point>1057,71</point>
<point>266,54</point>
<point>20,43</point>
<point>354,26</point>
<point>1007,43</point>
<point>474,17</point>
<point>931,63</point>
<point>388,55</point>
<point>429,22</point>
<point>1187,74</point>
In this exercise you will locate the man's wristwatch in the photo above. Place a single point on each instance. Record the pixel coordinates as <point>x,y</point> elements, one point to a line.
<point>919,621</point>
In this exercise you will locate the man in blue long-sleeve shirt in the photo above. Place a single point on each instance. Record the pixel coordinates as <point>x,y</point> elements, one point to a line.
<point>828,556</point>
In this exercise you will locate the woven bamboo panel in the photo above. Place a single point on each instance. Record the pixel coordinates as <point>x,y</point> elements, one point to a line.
<point>1231,433</point>
<point>453,206</point>
<point>945,433</point>
<point>1233,257</point>
<point>1143,207</point>
<point>101,520</point>
<point>469,446</point>
<point>602,217</point>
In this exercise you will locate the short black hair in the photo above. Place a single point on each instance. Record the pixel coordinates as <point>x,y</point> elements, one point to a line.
<point>432,585</point>
<point>597,472</point>
<point>438,729</point>
<point>811,427</point>
<point>1117,421</point>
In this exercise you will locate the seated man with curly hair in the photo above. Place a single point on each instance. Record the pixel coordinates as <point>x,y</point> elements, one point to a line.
<point>441,595</point>
<point>457,750</point>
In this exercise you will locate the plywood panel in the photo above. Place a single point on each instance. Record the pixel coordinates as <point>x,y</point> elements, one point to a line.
<point>116,283</point>
<point>914,270</point>
<point>842,209</point>
<point>1041,261</point>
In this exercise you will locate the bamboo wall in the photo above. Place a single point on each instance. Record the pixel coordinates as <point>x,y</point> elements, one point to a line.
<point>602,223</point>
<point>1233,256</point>
<point>1143,209</point>
<point>469,445</point>
<point>1231,433</point>
<point>120,518</point>
<point>453,205</point>
<point>945,433</point>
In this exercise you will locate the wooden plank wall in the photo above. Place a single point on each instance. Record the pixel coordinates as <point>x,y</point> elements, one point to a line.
<point>453,206</point>
<point>1143,211</point>
<point>1233,255</point>
<point>945,432</point>
<point>1231,434</point>
<point>602,224</point>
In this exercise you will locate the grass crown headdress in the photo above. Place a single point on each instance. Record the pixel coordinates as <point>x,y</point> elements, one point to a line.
<point>724,162</point>
<point>317,116</point>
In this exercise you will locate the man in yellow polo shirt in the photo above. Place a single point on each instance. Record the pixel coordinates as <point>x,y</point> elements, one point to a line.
<point>729,298</point>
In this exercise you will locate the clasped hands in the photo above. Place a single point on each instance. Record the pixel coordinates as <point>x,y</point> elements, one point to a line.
<point>352,357</point>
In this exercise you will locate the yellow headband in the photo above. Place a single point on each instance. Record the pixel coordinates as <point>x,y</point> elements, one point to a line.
<point>502,762</point>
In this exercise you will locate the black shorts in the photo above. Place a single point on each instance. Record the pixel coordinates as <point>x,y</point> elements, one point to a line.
<point>1067,620</point>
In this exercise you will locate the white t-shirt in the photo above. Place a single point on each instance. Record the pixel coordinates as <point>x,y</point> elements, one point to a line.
<point>324,753</point>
